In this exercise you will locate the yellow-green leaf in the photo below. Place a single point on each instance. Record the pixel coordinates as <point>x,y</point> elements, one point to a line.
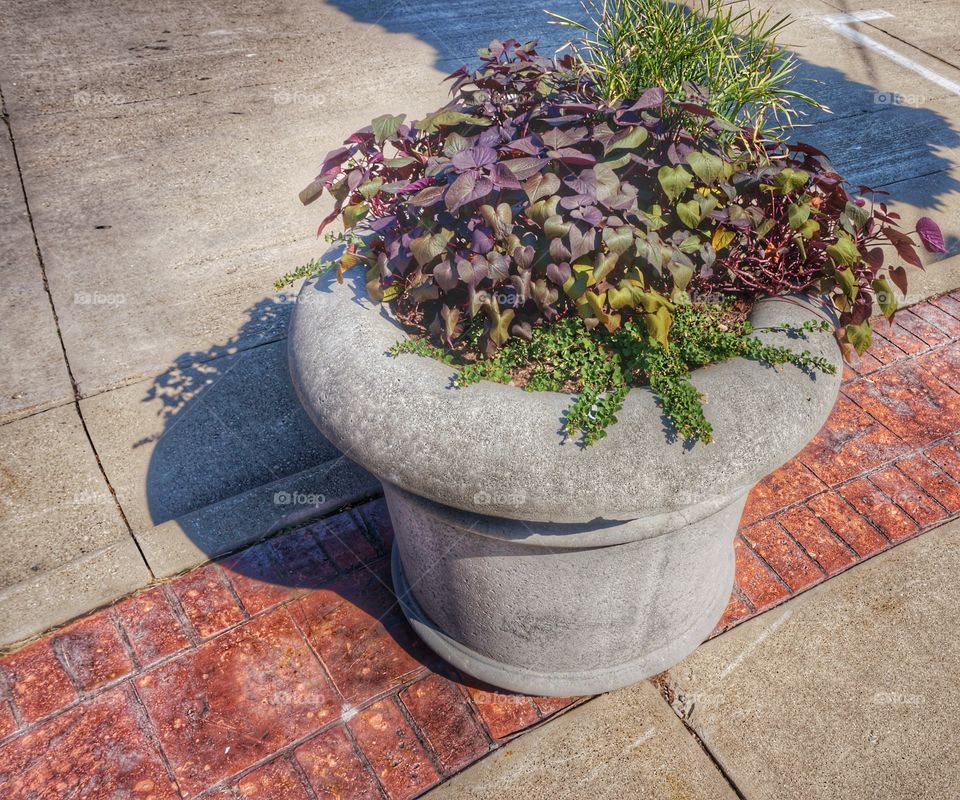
<point>619,298</point>
<point>848,282</point>
<point>674,180</point>
<point>370,188</point>
<point>630,140</point>
<point>886,299</point>
<point>798,214</point>
<point>721,238</point>
<point>860,336</point>
<point>706,166</point>
<point>658,325</point>
<point>386,126</point>
<point>577,284</point>
<point>689,213</point>
<point>844,252</point>
<point>810,229</point>
<point>353,214</point>
<point>789,180</point>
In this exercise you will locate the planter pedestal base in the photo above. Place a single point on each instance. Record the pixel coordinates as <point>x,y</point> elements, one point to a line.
<point>558,621</point>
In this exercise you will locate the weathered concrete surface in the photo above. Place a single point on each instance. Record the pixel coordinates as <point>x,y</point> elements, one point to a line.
<point>202,433</point>
<point>849,691</point>
<point>63,546</point>
<point>220,528</point>
<point>931,25</point>
<point>50,598</point>
<point>627,744</point>
<point>558,618</point>
<point>54,504</point>
<point>33,374</point>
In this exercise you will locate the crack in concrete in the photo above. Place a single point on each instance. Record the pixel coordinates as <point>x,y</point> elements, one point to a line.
<point>667,693</point>
<point>56,321</point>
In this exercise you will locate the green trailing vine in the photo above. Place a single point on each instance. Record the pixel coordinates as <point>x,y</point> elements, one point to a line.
<point>350,239</point>
<point>600,367</point>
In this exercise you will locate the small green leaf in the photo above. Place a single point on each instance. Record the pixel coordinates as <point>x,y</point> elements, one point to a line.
<point>885,297</point>
<point>789,180</point>
<point>605,264</point>
<point>541,185</point>
<point>689,213</point>
<point>681,275</point>
<point>556,227</point>
<point>399,162</point>
<point>844,252</point>
<point>674,181</point>
<point>386,126</point>
<point>706,166</point>
<point>454,143</point>
<point>629,140</point>
<point>618,240</point>
<point>798,214</point>
<point>658,326</point>
<point>860,336</point>
<point>427,247</point>
<point>500,324</point>
<point>859,215</point>
<point>370,188</point>
<point>442,119</point>
<point>848,282</point>
<point>764,228</point>
<point>810,229</point>
<point>577,284</point>
<point>542,210</point>
<point>353,214</point>
<point>722,238</point>
<point>619,298</point>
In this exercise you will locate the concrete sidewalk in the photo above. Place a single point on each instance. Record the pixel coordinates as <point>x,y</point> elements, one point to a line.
<point>148,181</point>
<point>848,691</point>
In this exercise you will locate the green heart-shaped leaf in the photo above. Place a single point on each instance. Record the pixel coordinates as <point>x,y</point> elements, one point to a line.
<point>706,166</point>
<point>674,181</point>
<point>789,180</point>
<point>689,213</point>
<point>886,299</point>
<point>844,252</point>
<point>860,336</point>
<point>848,282</point>
<point>353,214</point>
<point>630,140</point>
<point>798,214</point>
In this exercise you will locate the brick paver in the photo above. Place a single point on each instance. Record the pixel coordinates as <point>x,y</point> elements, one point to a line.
<point>287,670</point>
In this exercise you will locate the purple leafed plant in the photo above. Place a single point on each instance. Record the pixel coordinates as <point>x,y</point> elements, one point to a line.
<point>528,198</point>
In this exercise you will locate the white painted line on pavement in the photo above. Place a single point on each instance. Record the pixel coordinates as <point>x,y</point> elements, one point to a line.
<point>840,23</point>
<point>856,16</point>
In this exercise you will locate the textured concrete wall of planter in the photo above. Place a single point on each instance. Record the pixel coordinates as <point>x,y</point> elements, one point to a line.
<point>531,562</point>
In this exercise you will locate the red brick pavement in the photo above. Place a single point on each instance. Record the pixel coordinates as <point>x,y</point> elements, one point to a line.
<point>286,672</point>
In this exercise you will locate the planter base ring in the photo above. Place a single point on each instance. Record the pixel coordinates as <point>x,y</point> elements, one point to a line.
<point>554,684</point>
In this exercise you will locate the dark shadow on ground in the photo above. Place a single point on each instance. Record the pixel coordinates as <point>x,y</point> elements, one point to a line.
<point>231,420</point>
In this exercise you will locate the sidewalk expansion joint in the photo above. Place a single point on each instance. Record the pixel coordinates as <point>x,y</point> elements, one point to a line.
<point>666,693</point>
<point>56,321</point>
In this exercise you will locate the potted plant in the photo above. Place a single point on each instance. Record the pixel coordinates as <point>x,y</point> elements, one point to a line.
<point>549,329</point>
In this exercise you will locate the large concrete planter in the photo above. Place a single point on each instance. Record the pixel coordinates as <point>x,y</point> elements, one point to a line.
<point>533,564</point>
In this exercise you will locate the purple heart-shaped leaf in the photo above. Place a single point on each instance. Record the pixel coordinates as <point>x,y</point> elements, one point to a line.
<point>473,158</point>
<point>930,235</point>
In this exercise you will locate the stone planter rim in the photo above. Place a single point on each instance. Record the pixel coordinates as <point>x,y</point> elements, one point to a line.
<point>496,450</point>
